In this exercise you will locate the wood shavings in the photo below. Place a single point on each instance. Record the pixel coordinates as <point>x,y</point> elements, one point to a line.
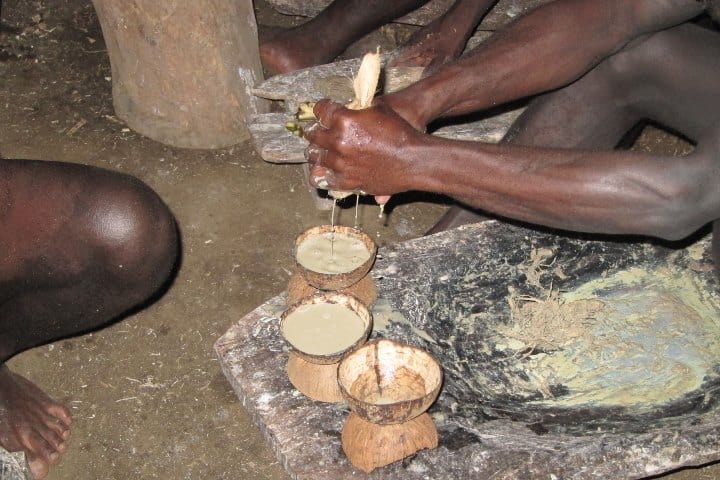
<point>549,323</point>
<point>535,271</point>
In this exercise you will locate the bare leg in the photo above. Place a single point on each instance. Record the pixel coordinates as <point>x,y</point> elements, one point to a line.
<point>666,77</point>
<point>81,247</point>
<point>324,37</point>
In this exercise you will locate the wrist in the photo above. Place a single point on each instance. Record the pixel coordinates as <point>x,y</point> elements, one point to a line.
<point>411,105</point>
<point>421,173</point>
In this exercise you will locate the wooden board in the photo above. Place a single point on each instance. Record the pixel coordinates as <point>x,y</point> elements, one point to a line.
<point>504,12</point>
<point>276,144</point>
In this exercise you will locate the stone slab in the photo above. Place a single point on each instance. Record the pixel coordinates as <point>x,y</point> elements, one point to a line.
<point>13,466</point>
<point>449,293</point>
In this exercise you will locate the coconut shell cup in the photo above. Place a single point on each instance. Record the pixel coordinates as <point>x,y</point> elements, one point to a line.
<point>369,446</point>
<point>317,382</point>
<point>347,301</point>
<point>387,382</point>
<point>336,281</point>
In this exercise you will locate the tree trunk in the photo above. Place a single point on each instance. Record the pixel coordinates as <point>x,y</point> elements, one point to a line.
<point>182,71</point>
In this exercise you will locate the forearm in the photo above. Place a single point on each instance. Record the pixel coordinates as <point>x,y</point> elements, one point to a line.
<point>546,49</point>
<point>599,192</point>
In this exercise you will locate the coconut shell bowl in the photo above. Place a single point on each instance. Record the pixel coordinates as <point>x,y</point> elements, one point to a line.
<point>320,330</point>
<point>389,387</point>
<point>337,268</point>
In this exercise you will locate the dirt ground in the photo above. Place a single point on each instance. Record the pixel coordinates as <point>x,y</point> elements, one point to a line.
<point>147,394</point>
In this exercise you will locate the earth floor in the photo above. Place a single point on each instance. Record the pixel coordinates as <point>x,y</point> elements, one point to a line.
<point>147,394</point>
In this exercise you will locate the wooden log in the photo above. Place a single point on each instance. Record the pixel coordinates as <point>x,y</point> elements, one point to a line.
<point>276,144</point>
<point>182,72</point>
<point>331,80</point>
<point>504,12</point>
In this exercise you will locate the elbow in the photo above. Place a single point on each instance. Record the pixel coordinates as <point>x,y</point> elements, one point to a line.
<point>677,216</point>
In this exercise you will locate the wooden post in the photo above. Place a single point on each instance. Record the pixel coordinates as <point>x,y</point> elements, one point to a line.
<point>182,71</point>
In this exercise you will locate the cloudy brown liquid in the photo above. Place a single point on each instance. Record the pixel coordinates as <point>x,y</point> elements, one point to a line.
<point>320,253</point>
<point>323,328</point>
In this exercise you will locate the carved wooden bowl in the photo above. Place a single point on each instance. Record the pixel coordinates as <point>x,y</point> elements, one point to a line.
<point>316,332</point>
<point>387,382</point>
<point>325,280</point>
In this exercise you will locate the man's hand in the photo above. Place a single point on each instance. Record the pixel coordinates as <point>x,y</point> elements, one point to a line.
<point>366,150</point>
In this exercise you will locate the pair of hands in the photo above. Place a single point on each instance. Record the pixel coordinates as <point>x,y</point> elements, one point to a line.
<point>367,150</point>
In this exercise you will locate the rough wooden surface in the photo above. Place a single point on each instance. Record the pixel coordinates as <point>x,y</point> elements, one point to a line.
<point>504,12</point>
<point>182,71</point>
<point>332,80</point>
<point>436,288</point>
<point>276,144</point>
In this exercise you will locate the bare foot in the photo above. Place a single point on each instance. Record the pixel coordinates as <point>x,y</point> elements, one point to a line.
<point>289,50</point>
<point>455,217</point>
<point>32,421</point>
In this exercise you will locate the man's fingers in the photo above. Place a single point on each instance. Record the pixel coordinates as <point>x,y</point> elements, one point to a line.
<point>314,154</point>
<point>382,199</point>
<point>324,111</point>
<point>319,133</point>
<point>321,177</point>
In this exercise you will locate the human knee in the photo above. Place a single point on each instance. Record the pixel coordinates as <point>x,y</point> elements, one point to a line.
<point>132,232</point>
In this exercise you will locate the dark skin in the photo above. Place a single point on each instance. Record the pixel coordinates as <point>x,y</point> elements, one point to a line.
<point>618,61</point>
<point>343,22</point>
<point>81,246</point>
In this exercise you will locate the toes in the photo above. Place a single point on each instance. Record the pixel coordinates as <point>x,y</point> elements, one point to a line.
<point>49,405</point>
<point>39,468</point>
<point>61,413</point>
<point>55,441</point>
<point>56,425</point>
<point>61,447</point>
<point>36,445</point>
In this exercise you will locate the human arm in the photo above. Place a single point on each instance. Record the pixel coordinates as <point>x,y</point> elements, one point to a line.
<point>545,49</point>
<point>612,192</point>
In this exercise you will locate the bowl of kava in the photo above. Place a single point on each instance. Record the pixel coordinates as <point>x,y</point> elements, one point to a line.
<point>334,257</point>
